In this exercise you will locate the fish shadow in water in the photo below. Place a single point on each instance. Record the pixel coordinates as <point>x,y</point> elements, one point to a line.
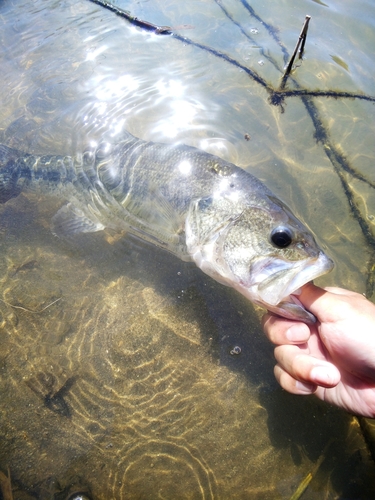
<point>234,338</point>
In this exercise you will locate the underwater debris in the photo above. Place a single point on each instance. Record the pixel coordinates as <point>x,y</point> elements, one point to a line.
<point>301,487</point>
<point>31,310</point>
<point>44,386</point>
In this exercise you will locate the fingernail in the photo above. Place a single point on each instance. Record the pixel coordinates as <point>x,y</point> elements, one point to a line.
<point>307,388</point>
<point>324,375</point>
<point>297,333</point>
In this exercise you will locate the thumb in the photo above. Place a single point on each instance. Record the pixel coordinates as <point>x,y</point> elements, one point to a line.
<point>327,305</point>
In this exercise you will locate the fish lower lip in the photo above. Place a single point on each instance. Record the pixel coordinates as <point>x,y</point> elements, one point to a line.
<point>272,290</point>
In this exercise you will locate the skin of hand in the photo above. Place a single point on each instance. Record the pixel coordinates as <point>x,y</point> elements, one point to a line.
<point>334,358</point>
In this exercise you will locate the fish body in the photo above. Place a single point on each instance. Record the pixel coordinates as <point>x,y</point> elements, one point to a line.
<point>193,204</point>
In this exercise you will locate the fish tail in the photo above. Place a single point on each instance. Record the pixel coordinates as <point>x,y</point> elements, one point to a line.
<point>10,171</point>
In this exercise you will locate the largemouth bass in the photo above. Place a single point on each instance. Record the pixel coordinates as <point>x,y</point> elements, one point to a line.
<point>193,204</point>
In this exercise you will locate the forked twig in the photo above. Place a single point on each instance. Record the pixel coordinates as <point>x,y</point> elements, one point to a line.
<point>299,48</point>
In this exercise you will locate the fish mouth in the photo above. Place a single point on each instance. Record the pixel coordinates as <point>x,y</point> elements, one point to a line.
<point>282,279</point>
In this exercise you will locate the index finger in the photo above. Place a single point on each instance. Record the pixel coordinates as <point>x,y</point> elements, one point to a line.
<point>284,331</point>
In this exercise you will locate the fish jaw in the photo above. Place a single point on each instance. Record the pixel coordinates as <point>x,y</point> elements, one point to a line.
<point>275,284</point>
<point>282,279</point>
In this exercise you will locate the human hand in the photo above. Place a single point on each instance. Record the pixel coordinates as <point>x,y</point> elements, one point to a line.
<point>334,358</point>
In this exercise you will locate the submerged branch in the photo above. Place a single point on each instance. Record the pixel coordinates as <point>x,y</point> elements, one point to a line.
<point>253,74</point>
<point>159,30</point>
<point>340,165</point>
<point>272,31</point>
<point>246,35</point>
<point>279,95</point>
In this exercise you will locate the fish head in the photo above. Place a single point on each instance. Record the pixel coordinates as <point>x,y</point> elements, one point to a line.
<point>257,246</point>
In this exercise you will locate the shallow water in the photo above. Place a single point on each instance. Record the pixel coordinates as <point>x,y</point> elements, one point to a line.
<point>117,377</point>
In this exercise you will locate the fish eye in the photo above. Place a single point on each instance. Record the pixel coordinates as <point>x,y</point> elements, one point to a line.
<point>281,237</point>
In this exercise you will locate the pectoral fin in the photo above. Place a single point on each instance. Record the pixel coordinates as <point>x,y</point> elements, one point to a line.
<point>71,220</point>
